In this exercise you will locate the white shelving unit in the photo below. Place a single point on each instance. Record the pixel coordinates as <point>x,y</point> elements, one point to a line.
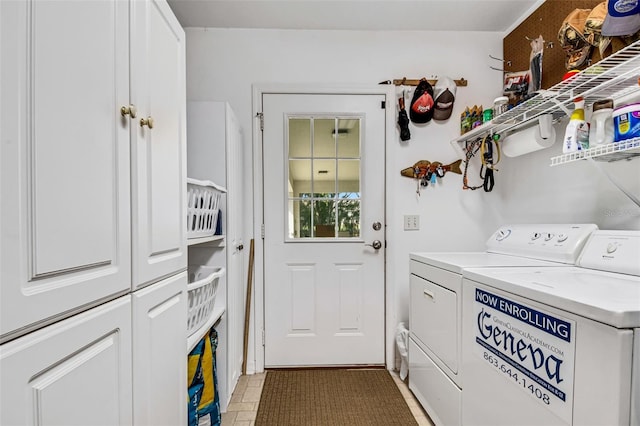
<point>214,153</point>
<point>623,150</point>
<point>213,240</point>
<point>217,313</point>
<point>615,77</point>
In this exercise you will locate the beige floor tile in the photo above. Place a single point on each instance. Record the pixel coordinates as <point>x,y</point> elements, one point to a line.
<point>252,394</point>
<point>243,423</point>
<point>424,421</point>
<point>242,406</point>
<point>257,381</point>
<point>246,415</point>
<point>229,418</point>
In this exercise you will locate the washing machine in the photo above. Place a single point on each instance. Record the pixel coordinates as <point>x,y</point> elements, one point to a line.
<point>555,346</point>
<point>435,313</point>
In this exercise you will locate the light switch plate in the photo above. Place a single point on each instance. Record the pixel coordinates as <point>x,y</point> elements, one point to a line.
<point>411,222</point>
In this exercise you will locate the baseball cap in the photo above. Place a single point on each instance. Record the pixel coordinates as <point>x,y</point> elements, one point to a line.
<point>445,96</point>
<point>571,36</point>
<point>623,18</point>
<point>421,110</point>
<point>593,28</point>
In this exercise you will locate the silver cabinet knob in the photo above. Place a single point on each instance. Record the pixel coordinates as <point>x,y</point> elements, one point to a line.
<point>376,244</point>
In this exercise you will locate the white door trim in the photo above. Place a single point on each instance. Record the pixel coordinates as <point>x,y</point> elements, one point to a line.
<point>255,363</point>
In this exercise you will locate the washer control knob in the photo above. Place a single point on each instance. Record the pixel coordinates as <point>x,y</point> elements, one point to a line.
<point>548,236</point>
<point>562,237</point>
<point>536,235</point>
<point>502,234</point>
<point>612,247</point>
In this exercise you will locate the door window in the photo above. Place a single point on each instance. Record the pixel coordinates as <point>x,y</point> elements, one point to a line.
<point>323,178</point>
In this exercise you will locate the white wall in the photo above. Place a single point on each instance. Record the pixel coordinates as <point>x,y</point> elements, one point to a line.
<point>222,64</point>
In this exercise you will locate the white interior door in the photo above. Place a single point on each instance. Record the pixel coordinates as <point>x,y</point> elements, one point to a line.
<point>323,213</point>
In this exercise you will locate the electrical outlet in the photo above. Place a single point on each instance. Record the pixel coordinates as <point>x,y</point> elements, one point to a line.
<point>411,222</point>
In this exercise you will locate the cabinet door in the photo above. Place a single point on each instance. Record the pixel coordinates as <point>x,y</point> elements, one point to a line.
<point>74,372</point>
<point>160,353</point>
<point>64,159</point>
<point>158,152</point>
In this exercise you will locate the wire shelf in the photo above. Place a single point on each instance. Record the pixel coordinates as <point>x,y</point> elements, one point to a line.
<point>623,150</point>
<point>616,76</point>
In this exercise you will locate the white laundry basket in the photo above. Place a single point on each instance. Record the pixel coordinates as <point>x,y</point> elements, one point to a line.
<point>203,207</point>
<point>202,289</point>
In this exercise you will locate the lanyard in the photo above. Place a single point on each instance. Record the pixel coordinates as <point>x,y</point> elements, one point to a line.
<point>486,151</point>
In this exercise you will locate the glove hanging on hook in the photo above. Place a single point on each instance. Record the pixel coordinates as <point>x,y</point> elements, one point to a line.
<point>403,120</point>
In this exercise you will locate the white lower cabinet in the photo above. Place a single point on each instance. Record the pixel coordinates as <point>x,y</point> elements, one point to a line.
<point>159,353</point>
<point>74,372</point>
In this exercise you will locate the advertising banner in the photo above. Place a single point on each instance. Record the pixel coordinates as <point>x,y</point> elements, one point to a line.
<point>532,349</point>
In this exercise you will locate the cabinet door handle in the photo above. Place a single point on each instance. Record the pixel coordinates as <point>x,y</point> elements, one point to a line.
<point>429,293</point>
<point>128,110</point>
<point>240,247</point>
<point>146,122</point>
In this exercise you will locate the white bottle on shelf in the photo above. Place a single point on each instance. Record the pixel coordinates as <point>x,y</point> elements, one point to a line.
<point>601,129</point>
<point>576,135</point>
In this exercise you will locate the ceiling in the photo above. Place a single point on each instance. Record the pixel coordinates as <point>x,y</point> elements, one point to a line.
<point>377,15</point>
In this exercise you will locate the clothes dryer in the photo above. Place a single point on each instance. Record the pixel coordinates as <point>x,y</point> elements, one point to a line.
<point>555,346</point>
<point>435,314</point>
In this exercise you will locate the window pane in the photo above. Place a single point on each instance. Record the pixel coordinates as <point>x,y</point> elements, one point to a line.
<point>349,218</point>
<point>349,138</point>
<point>324,143</point>
<point>349,176</point>
<point>299,137</point>
<point>324,178</point>
<point>324,218</point>
<point>299,219</point>
<point>299,177</point>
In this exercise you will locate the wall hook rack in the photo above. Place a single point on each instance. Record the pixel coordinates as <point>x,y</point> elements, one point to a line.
<point>501,60</point>
<point>507,62</point>
<point>461,82</point>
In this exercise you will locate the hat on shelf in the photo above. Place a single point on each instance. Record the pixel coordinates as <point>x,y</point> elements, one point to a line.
<point>571,36</point>
<point>421,110</point>
<point>445,96</point>
<point>593,28</point>
<point>623,18</point>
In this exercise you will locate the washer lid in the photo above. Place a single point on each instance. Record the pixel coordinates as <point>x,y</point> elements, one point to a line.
<point>457,261</point>
<point>606,297</point>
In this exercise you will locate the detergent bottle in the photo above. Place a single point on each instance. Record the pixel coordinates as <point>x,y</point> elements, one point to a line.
<point>576,135</point>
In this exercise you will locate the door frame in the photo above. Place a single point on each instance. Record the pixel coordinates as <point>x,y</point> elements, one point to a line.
<point>255,361</point>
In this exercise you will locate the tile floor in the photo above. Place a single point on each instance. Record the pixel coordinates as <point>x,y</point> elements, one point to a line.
<point>246,397</point>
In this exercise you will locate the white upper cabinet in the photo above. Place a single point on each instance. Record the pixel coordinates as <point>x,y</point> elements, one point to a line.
<point>64,159</point>
<point>87,191</point>
<point>158,151</point>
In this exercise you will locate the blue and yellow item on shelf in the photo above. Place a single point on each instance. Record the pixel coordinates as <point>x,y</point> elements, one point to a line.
<point>204,401</point>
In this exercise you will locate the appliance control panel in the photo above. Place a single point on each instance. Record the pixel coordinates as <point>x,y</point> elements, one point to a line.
<point>553,242</point>
<point>612,251</point>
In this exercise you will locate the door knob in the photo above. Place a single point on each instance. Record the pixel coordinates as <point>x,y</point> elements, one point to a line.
<point>376,244</point>
<point>146,122</point>
<point>376,226</point>
<point>128,110</point>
